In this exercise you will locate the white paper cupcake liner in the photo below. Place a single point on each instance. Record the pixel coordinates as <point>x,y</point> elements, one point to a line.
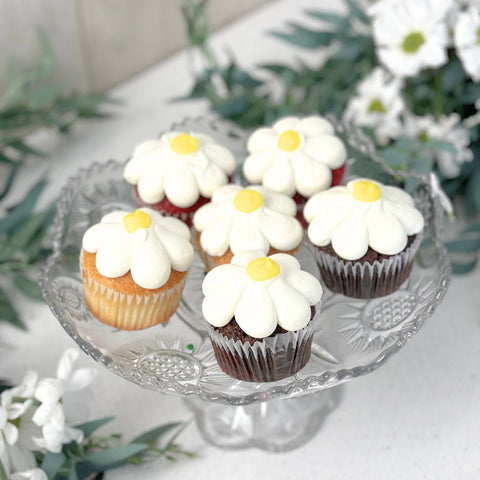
<point>267,360</point>
<point>366,280</point>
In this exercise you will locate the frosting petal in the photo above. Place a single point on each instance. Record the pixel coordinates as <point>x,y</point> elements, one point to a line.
<point>262,139</point>
<point>148,146</point>
<point>215,238</point>
<point>101,233</point>
<point>263,321</point>
<point>310,176</point>
<point>211,213</point>
<point>180,250</point>
<point>276,201</point>
<point>221,157</point>
<point>350,238</point>
<point>114,258</point>
<point>150,263</point>
<point>315,125</point>
<point>256,164</point>
<point>245,235</point>
<point>305,284</point>
<point>410,218</point>
<point>180,185</point>
<point>381,221</point>
<point>223,274</point>
<point>209,179</point>
<point>279,176</point>
<point>293,310</point>
<point>281,232</point>
<point>151,184</point>
<point>219,304</point>
<point>286,123</point>
<point>326,149</point>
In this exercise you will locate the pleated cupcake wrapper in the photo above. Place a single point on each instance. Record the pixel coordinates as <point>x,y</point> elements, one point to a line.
<point>366,280</point>
<point>267,360</point>
<point>131,311</point>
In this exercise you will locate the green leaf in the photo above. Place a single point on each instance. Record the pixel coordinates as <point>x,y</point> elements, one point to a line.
<point>52,462</point>
<point>453,75</point>
<point>23,234</point>
<point>286,73</point>
<point>304,37</point>
<point>232,107</point>
<point>464,245</point>
<point>111,456</point>
<point>463,268</point>
<point>48,57</point>
<point>28,287</point>
<point>437,144</point>
<point>153,435</point>
<point>72,475</point>
<point>89,427</point>
<point>22,210</point>
<point>9,181</point>
<point>395,158</point>
<point>472,228</point>
<point>3,473</point>
<point>8,313</point>
<point>338,20</point>
<point>356,11</point>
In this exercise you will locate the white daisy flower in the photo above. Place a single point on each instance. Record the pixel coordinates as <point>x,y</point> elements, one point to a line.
<point>31,474</point>
<point>181,166</point>
<point>143,242</point>
<point>295,154</point>
<point>250,218</point>
<point>261,293</point>
<point>13,454</point>
<point>447,128</point>
<point>411,35</point>
<point>53,394</point>
<point>378,105</point>
<point>362,214</point>
<point>467,41</point>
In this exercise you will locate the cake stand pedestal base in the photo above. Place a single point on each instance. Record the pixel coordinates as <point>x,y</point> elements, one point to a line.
<point>275,426</point>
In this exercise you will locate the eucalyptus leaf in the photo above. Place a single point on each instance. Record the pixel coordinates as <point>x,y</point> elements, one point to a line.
<point>23,209</point>
<point>463,268</point>
<point>112,456</point>
<point>72,475</point>
<point>52,462</point>
<point>28,287</point>
<point>9,181</point>
<point>338,21</point>
<point>89,427</point>
<point>437,144</point>
<point>304,37</point>
<point>8,313</point>
<point>153,435</point>
<point>464,245</point>
<point>3,474</point>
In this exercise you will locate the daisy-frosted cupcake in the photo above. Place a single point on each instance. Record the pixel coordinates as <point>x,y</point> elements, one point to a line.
<point>261,311</point>
<point>246,218</point>
<point>296,156</point>
<point>365,235</point>
<point>134,267</point>
<point>179,172</point>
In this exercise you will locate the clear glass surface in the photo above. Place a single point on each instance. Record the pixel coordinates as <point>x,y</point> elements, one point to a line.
<point>353,338</point>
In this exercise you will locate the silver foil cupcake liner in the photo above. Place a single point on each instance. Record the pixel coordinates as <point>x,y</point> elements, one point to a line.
<point>268,359</point>
<point>366,280</point>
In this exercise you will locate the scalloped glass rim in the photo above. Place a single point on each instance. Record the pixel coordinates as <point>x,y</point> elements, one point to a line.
<point>295,385</point>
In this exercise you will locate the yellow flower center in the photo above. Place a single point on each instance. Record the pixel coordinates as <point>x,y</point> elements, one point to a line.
<point>137,219</point>
<point>262,269</point>
<point>184,144</point>
<point>247,201</point>
<point>376,106</point>
<point>412,42</point>
<point>289,141</point>
<point>366,191</point>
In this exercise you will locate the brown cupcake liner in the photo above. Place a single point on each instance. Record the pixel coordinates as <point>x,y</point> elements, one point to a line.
<point>366,280</point>
<point>131,311</point>
<point>267,360</point>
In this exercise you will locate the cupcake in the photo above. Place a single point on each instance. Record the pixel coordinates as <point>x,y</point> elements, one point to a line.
<point>250,218</point>
<point>178,173</point>
<point>134,268</point>
<point>261,312</point>
<point>365,236</point>
<point>296,156</point>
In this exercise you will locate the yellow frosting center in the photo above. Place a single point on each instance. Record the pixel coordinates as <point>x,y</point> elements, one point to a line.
<point>366,191</point>
<point>289,141</point>
<point>184,144</point>
<point>247,200</point>
<point>262,269</point>
<point>137,219</point>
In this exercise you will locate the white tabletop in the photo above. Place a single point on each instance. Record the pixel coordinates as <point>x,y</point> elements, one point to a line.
<point>414,418</point>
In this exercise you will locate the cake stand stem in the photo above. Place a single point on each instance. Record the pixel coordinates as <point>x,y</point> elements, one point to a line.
<point>276,425</point>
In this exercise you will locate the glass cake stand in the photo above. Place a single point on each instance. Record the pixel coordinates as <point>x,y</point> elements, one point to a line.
<point>353,338</point>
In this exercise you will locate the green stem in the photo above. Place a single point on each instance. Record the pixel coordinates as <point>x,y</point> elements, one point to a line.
<point>438,99</point>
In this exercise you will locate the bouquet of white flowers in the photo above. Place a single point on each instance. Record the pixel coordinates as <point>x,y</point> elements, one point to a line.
<point>407,72</point>
<point>39,442</point>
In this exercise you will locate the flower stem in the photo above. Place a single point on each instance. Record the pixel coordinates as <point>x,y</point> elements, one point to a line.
<point>438,100</point>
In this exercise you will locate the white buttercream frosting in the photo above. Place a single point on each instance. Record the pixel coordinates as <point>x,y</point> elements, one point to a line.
<point>148,253</point>
<point>181,166</point>
<point>270,223</point>
<point>362,214</point>
<point>283,298</point>
<point>294,155</point>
